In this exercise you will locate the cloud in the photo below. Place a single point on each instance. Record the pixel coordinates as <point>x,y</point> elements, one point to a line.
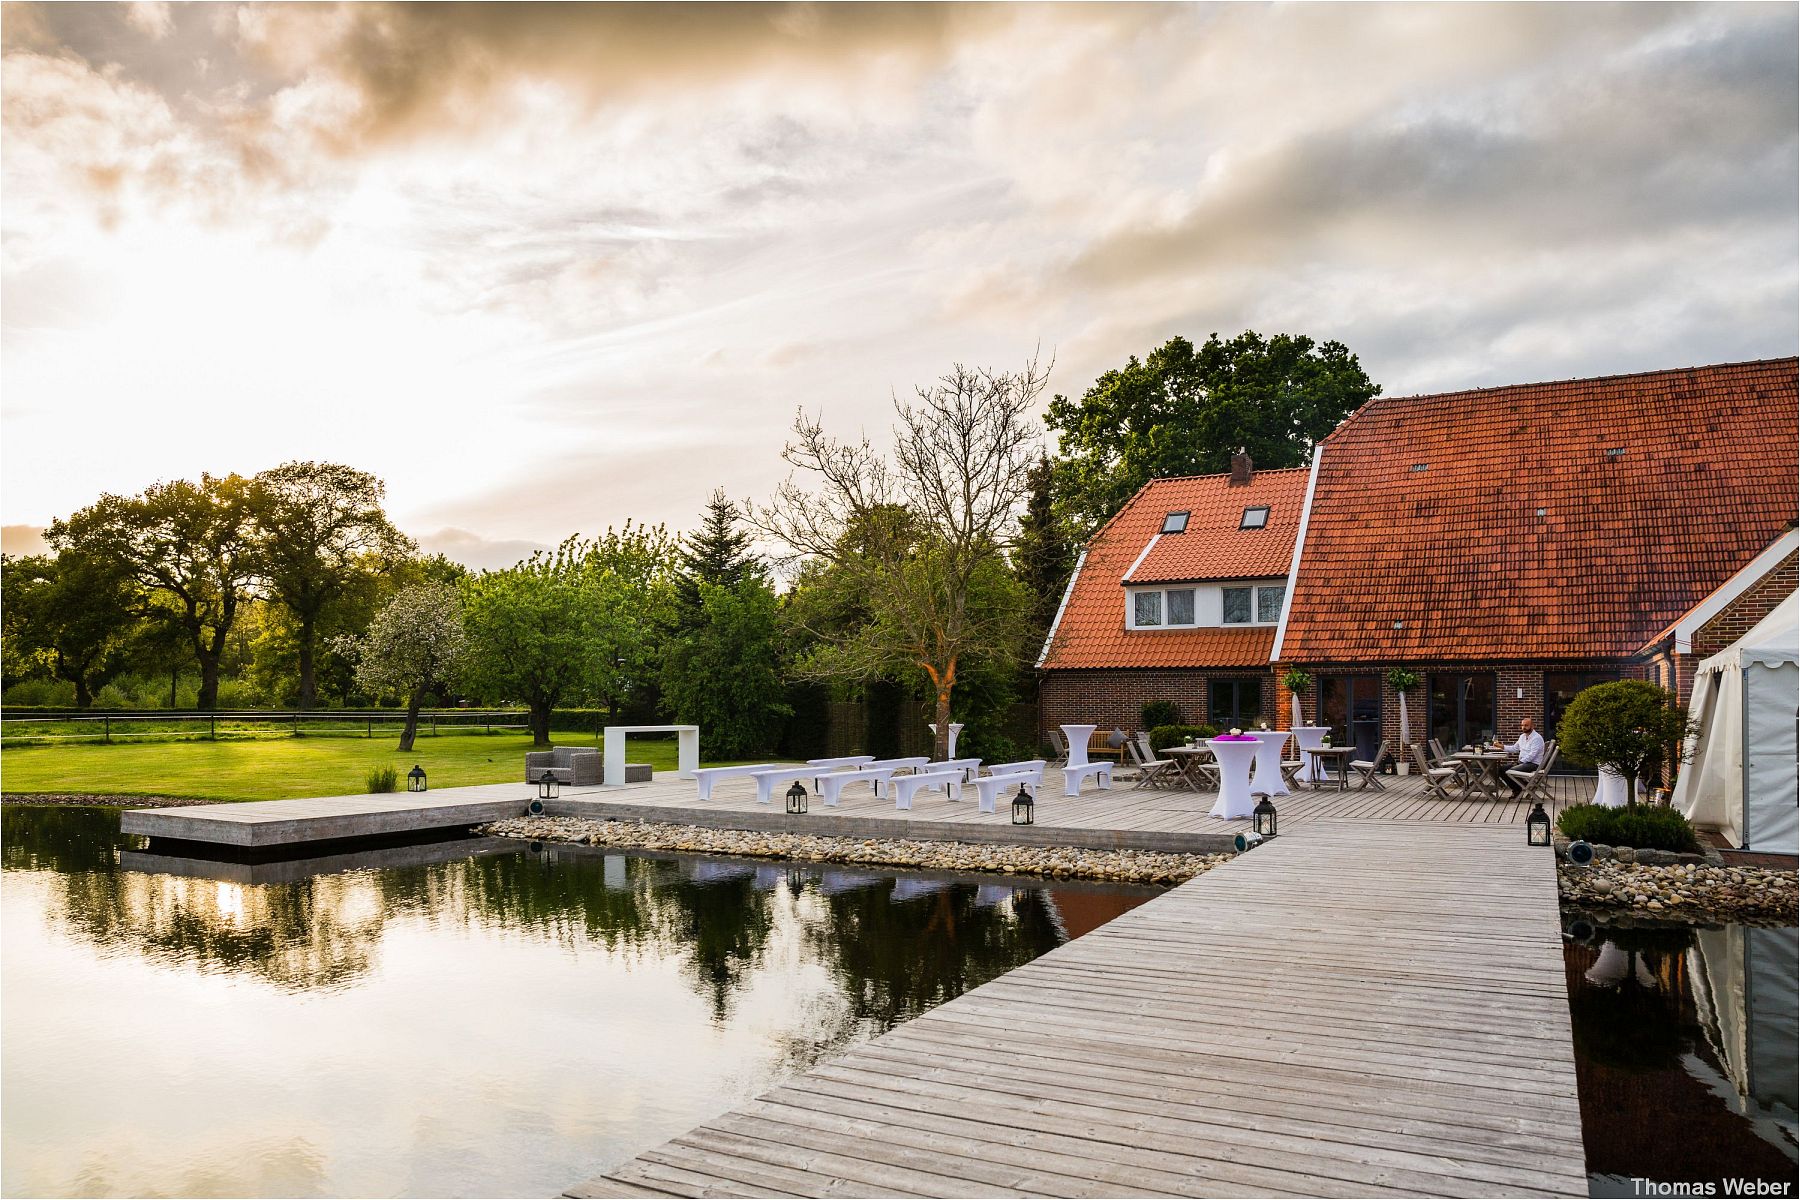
<point>476,552</point>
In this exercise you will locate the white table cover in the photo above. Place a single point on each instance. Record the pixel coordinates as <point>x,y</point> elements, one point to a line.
<point>1078,736</point>
<point>1234,760</point>
<point>1270,744</point>
<point>1310,737</point>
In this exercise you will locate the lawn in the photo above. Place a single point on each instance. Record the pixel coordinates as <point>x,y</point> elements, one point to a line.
<point>276,768</point>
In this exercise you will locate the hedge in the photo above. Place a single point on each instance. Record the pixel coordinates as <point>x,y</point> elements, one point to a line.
<point>1164,736</point>
<point>1640,826</point>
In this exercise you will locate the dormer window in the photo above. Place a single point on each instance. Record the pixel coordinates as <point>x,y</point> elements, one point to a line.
<point>1255,517</point>
<point>1175,522</point>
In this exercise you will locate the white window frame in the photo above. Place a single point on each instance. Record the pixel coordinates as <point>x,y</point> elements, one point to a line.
<point>1208,606</point>
<point>1257,603</point>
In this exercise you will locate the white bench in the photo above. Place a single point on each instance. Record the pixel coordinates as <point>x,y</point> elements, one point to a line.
<point>767,778</point>
<point>899,764</point>
<point>903,786</point>
<point>704,777</point>
<point>970,767</point>
<point>1032,766</point>
<point>832,786</point>
<point>988,787</point>
<point>1073,774</point>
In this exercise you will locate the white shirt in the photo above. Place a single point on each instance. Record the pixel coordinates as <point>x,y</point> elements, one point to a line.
<point>1529,748</point>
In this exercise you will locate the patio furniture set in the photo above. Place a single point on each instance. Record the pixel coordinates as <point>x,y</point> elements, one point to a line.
<point>901,778</point>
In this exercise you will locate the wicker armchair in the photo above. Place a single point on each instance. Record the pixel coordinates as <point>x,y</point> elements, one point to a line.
<point>570,765</point>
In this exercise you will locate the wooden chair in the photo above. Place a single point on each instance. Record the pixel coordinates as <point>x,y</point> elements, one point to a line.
<point>1536,782</point>
<point>1152,771</point>
<point>1437,779</point>
<point>1439,758</point>
<point>1369,770</point>
<point>1100,746</point>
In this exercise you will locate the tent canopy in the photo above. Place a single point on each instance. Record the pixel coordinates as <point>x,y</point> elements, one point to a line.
<point>1743,771</point>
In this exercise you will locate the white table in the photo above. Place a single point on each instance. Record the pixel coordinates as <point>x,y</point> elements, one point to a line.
<point>1234,759</point>
<point>687,750</point>
<point>956,727</point>
<point>1078,736</point>
<point>1310,737</point>
<point>1610,791</point>
<point>1269,745</point>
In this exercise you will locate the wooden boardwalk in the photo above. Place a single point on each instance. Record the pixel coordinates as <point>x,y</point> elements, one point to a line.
<point>1369,1007</point>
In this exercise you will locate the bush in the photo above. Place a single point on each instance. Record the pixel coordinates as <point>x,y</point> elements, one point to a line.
<point>383,779</point>
<point>1164,736</point>
<point>1629,726</point>
<point>1640,826</point>
<point>1160,712</point>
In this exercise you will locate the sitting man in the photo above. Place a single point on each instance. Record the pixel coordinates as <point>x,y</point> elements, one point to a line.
<point>1529,748</point>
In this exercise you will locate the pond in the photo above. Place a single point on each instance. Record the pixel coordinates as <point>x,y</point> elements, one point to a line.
<point>1685,1056</point>
<point>467,1017</point>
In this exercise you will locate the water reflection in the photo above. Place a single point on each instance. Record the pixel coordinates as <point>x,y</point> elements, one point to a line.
<point>459,1018</point>
<point>1685,1053</point>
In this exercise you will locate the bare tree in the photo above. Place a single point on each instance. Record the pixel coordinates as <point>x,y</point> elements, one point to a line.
<point>920,542</point>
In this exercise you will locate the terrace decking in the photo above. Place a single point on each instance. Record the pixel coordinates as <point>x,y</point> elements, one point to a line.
<point>1372,1007</point>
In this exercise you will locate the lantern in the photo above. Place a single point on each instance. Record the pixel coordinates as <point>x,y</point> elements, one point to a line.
<point>415,779</point>
<point>1264,816</point>
<point>796,799</point>
<point>548,786</point>
<point>1023,806</point>
<point>1537,826</point>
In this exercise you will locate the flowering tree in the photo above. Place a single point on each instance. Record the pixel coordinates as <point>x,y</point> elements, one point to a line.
<point>414,643</point>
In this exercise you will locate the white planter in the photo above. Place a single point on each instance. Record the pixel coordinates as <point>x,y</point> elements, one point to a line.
<point>1402,766</point>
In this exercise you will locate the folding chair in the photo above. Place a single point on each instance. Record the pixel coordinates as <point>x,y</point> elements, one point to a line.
<point>1436,778</point>
<point>1369,770</point>
<point>1152,771</point>
<point>1440,759</point>
<point>1536,782</point>
<point>1059,744</point>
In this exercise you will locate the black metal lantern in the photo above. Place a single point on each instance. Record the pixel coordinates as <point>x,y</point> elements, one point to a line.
<point>1024,807</point>
<point>415,779</point>
<point>1537,826</point>
<point>796,799</point>
<point>1264,817</point>
<point>548,786</point>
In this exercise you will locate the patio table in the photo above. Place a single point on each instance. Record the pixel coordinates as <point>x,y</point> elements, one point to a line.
<point>1270,743</point>
<point>1234,778</point>
<point>1309,737</point>
<point>1189,760</point>
<point>1078,736</point>
<point>1318,756</point>
<point>1488,764</point>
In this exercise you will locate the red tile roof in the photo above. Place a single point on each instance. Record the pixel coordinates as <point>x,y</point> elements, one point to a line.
<point>1092,633</point>
<point>1654,490</point>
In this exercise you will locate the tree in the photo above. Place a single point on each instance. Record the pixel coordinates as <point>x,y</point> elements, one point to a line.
<point>1625,726</point>
<point>1044,556</point>
<point>717,553</point>
<point>724,674</point>
<point>72,615</point>
<point>191,543</point>
<point>414,644</point>
<point>921,541</point>
<point>320,531</point>
<point>1185,409</point>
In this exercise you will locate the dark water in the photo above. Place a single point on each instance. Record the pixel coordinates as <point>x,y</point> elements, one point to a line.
<point>1685,1052</point>
<point>453,1019</point>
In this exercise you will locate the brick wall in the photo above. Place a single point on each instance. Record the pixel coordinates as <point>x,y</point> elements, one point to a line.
<point>1742,614</point>
<point>1113,699</point>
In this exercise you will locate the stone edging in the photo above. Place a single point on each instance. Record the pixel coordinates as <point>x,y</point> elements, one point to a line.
<point>1686,891</point>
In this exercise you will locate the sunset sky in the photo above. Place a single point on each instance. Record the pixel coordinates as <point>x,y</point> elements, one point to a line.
<point>544,268</point>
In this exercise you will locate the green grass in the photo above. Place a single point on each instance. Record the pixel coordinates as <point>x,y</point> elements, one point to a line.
<point>281,768</point>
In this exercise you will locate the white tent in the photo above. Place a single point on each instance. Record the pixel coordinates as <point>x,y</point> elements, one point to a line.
<point>1743,771</point>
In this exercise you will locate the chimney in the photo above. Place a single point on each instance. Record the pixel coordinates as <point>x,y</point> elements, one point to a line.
<point>1240,468</point>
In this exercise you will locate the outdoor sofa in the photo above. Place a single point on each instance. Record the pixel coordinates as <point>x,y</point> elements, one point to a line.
<point>577,767</point>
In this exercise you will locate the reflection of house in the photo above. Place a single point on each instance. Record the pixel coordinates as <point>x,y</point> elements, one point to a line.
<point>1511,546</point>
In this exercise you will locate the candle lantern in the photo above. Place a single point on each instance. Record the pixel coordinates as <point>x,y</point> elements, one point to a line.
<point>415,779</point>
<point>1537,826</point>
<point>548,786</point>
<point>796,799</point>
<point>1023,807</point>
<point>1264,817</point>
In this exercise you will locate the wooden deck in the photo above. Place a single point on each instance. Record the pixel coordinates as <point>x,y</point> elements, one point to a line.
<point>1371,1007</point>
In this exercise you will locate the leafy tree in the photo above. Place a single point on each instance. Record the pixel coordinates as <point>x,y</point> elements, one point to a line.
<point>724,674</point>
<point>1045,555</point>
<point>73,616</point>
<point>1626,726</point>
<point>320,533</point>
<point>717,553</point>
<point>1186,408</point>
<point>191,544</point>
<point>414,644</point>
<point>920,541</point>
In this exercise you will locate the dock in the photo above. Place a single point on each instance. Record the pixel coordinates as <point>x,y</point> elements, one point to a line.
<point>1370,1007</point>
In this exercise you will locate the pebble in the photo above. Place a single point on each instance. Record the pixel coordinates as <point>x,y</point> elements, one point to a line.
<point>1698,891</point>
<point>1061,862</point>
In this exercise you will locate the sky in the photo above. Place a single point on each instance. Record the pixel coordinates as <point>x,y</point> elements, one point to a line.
<point>544,268</point>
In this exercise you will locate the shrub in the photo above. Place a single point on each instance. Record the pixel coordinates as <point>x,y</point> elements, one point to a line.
<point>1160,712</point>
<point>1296,681</point>
<point>383,779</point>
<point>1164,736</point>
<point>1643,827</point>
<point>1628,726</point>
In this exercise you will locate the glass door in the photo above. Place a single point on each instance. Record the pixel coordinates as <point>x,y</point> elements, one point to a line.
<point>1351,705</point>
<point>1462,709</point>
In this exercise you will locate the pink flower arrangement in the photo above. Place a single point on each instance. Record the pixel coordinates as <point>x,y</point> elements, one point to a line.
<point>1234,737</point>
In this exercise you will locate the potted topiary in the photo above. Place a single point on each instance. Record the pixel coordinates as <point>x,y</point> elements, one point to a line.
<point>1626,727</point>
<point>1402,681</point>
<point>1296,682</point>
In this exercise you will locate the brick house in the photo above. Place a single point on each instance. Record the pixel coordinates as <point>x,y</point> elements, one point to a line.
<point>1510,546</point>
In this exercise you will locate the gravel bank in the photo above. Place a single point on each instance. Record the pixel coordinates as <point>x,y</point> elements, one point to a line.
<point>1114,866</point>
<point>1687,891</point>
<point>96,800</point>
